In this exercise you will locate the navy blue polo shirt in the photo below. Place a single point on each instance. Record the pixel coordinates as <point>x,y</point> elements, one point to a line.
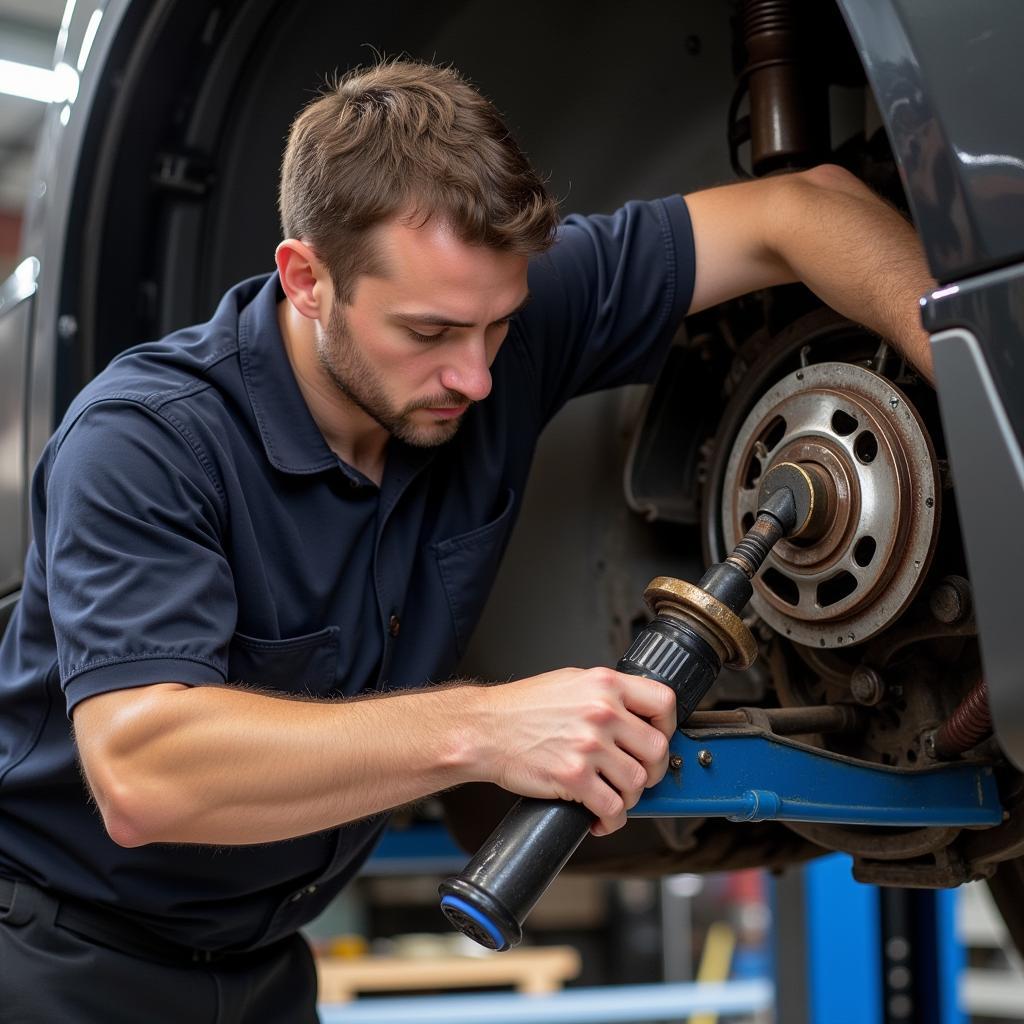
<point>191,524</point>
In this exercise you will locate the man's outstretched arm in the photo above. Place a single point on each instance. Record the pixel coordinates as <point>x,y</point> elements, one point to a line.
<point>823,227</point>
<point>223,765</point>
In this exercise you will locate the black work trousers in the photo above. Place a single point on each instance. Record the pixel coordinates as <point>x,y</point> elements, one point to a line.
<point>50,973</point>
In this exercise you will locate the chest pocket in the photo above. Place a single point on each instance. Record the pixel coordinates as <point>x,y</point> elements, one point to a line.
<point>303,664</point>
<point>468,564</point>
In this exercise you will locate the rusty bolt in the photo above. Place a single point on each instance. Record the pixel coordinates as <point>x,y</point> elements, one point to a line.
<point>950,601</point>
<point>704,758</point>
<point>866,685</point>
<point>928,742</point>
<point>675,762</point>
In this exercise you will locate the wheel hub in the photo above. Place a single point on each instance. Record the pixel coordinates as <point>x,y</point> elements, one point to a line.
<point>865,443</point>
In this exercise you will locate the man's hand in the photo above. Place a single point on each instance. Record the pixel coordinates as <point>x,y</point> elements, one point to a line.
<point>595,736</point>
<point>823,227</point>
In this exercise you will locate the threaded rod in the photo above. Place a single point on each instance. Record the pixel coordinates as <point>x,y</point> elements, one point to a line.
<point>748,556</point>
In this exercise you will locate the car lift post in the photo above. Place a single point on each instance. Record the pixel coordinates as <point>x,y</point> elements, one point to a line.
<point>851,953</point>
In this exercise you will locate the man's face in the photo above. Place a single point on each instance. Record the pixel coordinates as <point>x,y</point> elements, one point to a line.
<point>413,348</point>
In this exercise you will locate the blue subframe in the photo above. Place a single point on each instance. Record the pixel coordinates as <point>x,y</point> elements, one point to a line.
<point>753,777</point>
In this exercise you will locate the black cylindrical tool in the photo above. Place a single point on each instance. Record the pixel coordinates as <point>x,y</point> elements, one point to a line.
<point>696,631</point>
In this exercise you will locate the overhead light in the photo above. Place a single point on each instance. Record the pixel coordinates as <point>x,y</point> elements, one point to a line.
<point>67,83</point>
<point>57,85</point>
<point>65,25</point>
<point>89,38</point>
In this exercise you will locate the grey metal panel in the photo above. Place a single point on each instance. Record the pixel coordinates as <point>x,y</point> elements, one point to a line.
<point>16,312</point>
<point>991,306</point>
<point>988,469</point>
<point>614,106</point>
<point>948,78</point>
<point>46,225</point>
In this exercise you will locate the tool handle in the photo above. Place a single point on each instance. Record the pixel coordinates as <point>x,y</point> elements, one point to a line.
<point>511,871</point>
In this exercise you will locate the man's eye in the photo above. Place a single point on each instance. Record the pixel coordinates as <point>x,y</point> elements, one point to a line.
<point>425,337</point>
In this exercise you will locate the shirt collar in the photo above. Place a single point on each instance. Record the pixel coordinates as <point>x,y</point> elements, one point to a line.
<point>291,438</point>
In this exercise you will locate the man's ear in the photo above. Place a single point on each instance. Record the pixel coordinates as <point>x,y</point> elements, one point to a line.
<point>304,278</point>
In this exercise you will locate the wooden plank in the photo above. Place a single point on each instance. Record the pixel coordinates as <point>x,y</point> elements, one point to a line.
<point>531,971</point>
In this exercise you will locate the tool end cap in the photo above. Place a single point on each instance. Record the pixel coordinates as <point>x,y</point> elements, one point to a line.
<point>473,922</point>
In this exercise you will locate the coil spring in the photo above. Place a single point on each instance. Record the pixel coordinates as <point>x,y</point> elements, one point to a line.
<point>969,724</point>
<point>761,16</point>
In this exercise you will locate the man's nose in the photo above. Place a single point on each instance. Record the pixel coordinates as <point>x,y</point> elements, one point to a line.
<point>470,375</point>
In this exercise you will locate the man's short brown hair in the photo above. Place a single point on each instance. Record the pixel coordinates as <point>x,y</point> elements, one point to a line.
<point>407,137</point>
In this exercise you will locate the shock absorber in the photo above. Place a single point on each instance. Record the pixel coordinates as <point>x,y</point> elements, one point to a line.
<point>696,630</point>
<point>788,102</point>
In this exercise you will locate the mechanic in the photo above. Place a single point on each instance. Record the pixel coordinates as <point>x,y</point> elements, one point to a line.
<point>259,542</point>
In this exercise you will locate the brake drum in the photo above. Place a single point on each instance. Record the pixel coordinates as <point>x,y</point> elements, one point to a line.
<point>880,472</point>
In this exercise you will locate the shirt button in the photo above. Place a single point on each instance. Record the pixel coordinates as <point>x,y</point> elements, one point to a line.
<point>310,889</point>
<point>394,625</point>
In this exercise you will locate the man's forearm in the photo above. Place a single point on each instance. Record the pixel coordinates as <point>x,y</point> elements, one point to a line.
<point>224,765</point>
<point>857,254</point>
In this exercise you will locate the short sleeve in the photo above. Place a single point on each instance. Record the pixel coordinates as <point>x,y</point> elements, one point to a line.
<point>139,587</point>
<point>607,298</point>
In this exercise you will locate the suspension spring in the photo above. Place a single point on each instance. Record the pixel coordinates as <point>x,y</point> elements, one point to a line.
<point>969,724</point>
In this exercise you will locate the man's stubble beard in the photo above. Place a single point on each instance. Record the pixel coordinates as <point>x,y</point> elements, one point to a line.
<point>345,365</point>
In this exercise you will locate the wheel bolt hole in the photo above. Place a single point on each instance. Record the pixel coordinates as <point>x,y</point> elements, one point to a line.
<point>834,590</point>
<point>843,423</point>
<point>864,551</point>
<point>865,447</point>
<point>781,586</point>
<point>774,433</point>
<point>769,438</point>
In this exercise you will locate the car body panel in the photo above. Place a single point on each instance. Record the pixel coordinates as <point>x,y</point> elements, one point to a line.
<point>939,70</point>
